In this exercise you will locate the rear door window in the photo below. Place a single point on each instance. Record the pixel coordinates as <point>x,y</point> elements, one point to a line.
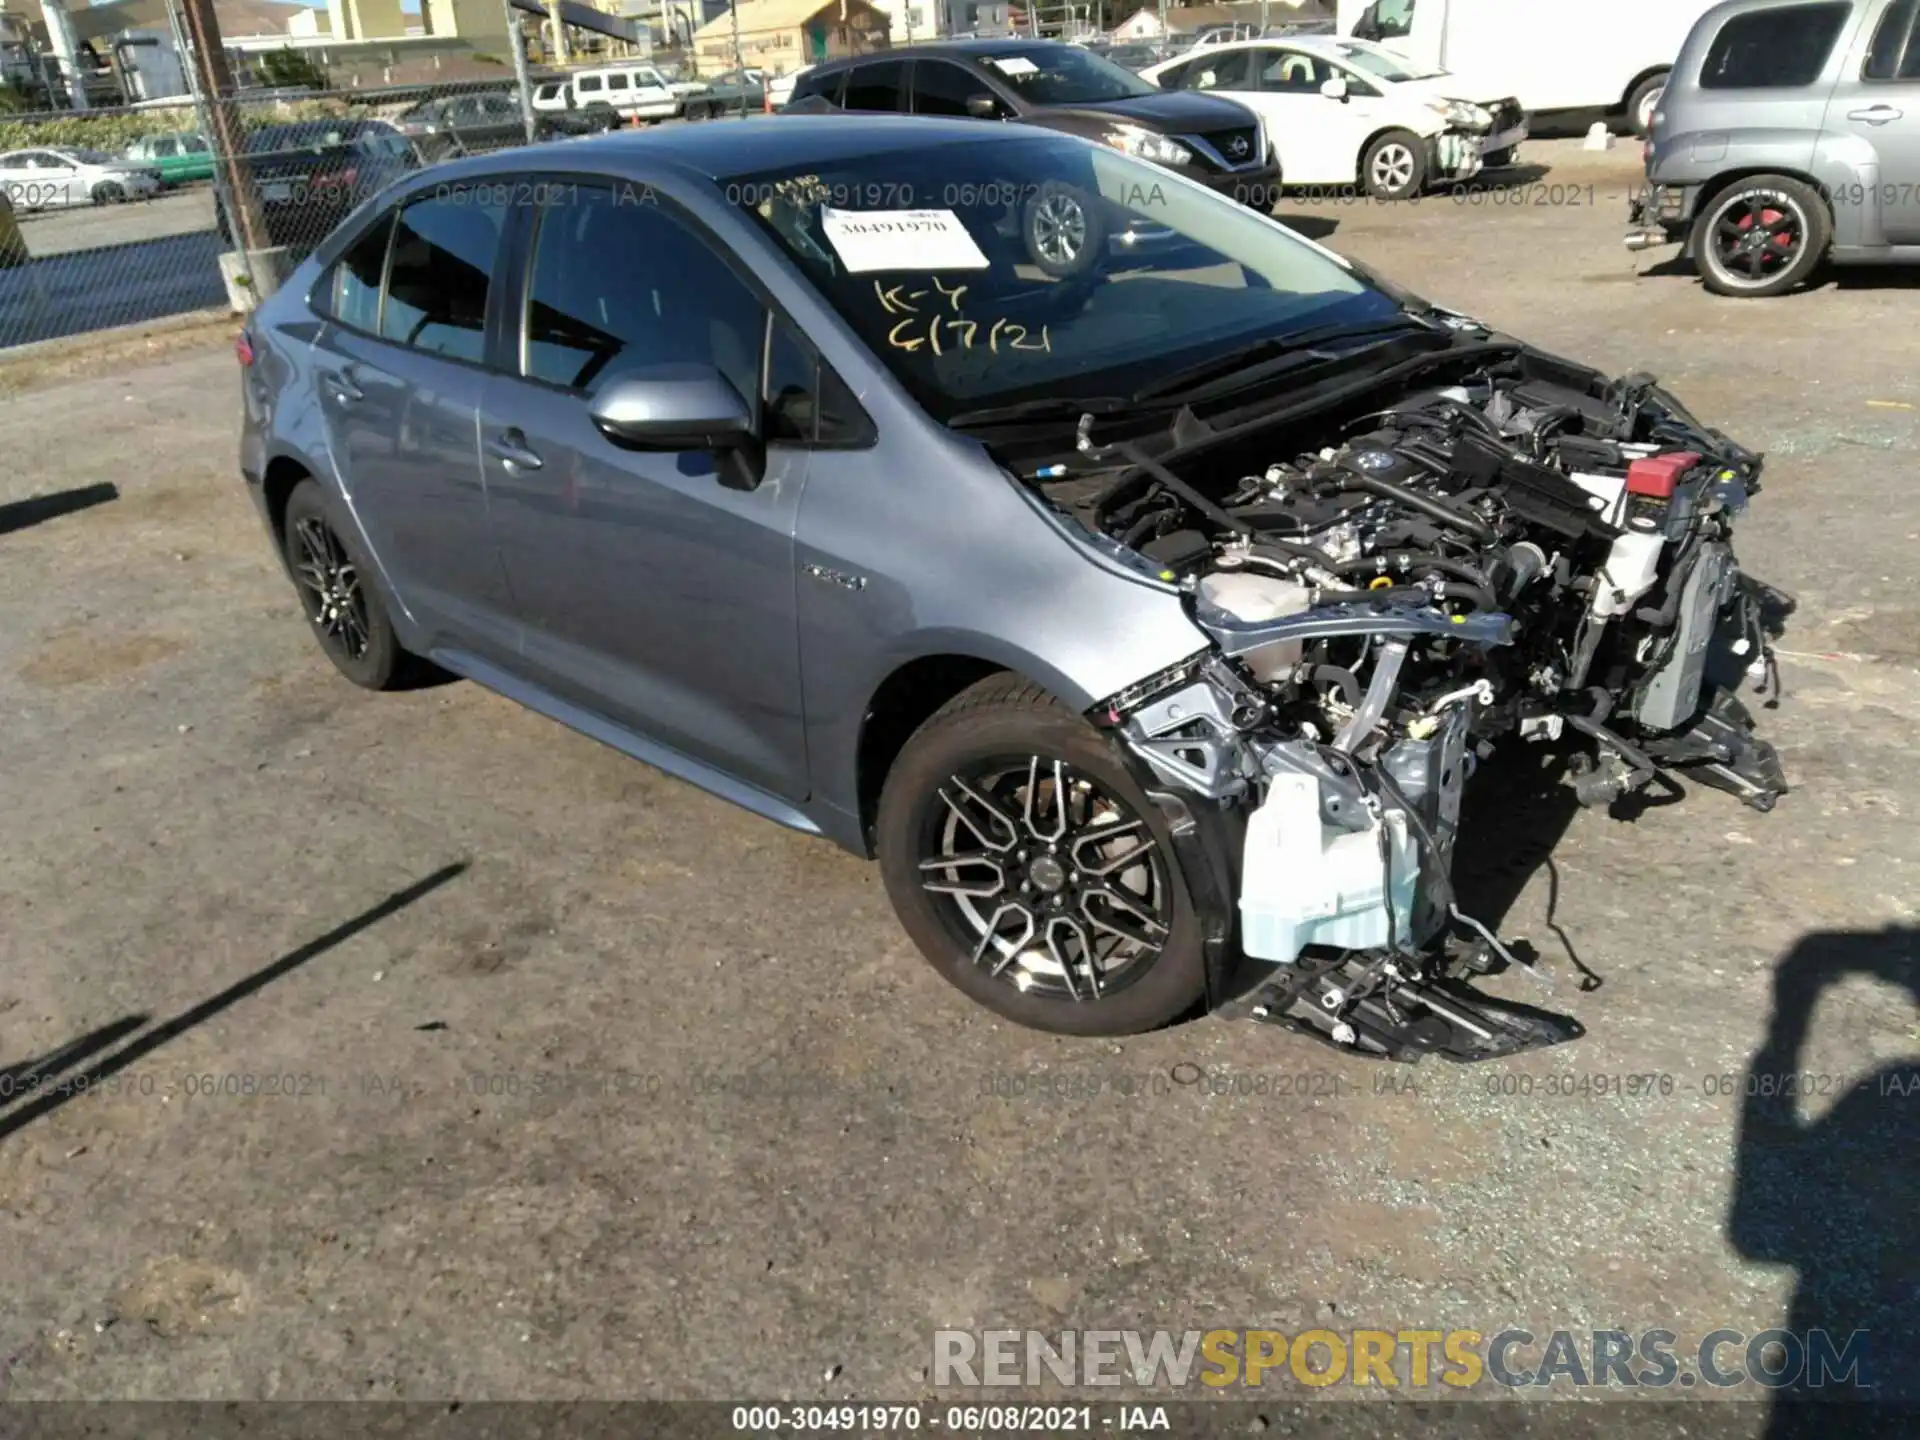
<point>353,297</point>
<point>1895,53</point>
<point>875,86</point>
<point>444,251</point>
<point>1774,49</point>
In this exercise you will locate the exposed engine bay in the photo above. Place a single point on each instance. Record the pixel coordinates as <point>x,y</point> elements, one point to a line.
<point>1516,551</point>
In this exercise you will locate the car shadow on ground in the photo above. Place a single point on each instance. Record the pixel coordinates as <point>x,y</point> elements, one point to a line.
<point>1827,1180</point>
<point>43,1085</point>
<point>1517,807</point>
<point>25,514</point>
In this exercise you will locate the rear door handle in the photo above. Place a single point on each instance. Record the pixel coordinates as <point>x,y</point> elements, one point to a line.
<point>342,386</point>
<point>510,446</point>
<point>1876,114</point>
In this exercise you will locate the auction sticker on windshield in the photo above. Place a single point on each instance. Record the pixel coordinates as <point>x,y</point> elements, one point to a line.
<point>1013,65</point>
<point>868,240</point>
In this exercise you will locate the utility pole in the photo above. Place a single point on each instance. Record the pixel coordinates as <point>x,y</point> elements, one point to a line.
<point>227,136</point>
<point>556,34</point>
<point>517,38</point>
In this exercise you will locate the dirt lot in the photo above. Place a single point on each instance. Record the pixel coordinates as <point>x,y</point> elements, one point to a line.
<point>601,1088</point>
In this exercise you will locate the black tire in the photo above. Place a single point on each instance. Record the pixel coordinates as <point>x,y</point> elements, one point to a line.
<point>1004,731</point>
<point>1064,229</point>
<point>1792,217</point>
<point>357,635</point>
<point>1644,100</point>
<point>108,192</point>
<point>1394,166</point>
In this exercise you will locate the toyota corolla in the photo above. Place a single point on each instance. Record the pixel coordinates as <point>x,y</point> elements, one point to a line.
<point>1144,616</point>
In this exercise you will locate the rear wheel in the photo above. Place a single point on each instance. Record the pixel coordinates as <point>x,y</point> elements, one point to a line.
<point>1032,872</point>
<point>345,612</point>
<point>1395,166</point>
<point>1761,236</point>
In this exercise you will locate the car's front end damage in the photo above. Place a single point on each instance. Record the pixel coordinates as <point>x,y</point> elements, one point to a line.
<point>1473,546</point>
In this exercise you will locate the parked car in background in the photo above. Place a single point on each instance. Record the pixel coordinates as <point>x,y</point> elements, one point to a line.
<point>489,120</point>
<point>780,88</point>
<point>1132,57</point>
<point>1612,56</point>
<point>177,159</point>
<point>1341,112</point>
<point>54,177</point>
<point>636,92</point>
<point>1788,135</point>
<point>1209,138</point>
<point>732,92</point>
<point>307,176</point>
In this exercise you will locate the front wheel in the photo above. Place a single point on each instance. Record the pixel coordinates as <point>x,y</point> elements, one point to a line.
<point>1395,166</point>
<point>1761,236</point>
<point>1063,229</point>
<point>108,192</point>
<point>1031,870</point>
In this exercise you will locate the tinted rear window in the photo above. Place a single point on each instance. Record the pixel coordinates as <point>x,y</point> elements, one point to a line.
<point>875,87</point>
<point>826,86</point>
<point>1895,54</point>
<point>1773,48</point>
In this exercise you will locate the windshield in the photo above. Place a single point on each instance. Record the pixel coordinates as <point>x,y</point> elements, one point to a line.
<point>1065,75</point>
<point>311,136</point>
<point>992,273</point>
<point>1378,61</point>
<point>94,157</point>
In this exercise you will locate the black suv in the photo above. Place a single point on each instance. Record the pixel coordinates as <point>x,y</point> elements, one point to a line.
<point>1212,139</point>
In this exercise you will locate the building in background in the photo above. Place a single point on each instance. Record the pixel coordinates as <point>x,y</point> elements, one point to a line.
<point>779,36</point>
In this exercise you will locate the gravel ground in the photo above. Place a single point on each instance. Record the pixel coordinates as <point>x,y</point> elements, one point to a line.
<point>604,1089</point>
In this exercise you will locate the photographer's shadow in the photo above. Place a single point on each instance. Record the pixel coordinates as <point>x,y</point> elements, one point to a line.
<point>1837,1197</point>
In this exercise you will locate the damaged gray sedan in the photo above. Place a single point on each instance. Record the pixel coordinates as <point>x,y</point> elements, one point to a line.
<point>1140,583</point>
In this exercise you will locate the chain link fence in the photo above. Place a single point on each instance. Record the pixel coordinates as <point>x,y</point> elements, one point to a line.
<point>121,216</point>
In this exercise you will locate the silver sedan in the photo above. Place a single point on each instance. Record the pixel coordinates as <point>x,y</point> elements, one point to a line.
<point>50,178</point>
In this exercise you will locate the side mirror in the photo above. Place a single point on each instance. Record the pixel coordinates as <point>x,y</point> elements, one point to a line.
<point>1335,89</point>
<point>983,107</point>
<point>671,408</point>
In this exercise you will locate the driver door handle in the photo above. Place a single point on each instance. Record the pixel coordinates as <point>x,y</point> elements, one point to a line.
<point>1877,114</point>
<point>342,386</point>
<point>510,447</point>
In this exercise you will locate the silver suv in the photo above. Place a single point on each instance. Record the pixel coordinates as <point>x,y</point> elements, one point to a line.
<point>1789,133</point>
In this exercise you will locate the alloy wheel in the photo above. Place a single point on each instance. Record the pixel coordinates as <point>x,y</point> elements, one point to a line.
<point>1051,882</point>
<point>1756,236</point>
<point>1059,228</point>
<point>1392,168</point>
<point>330,584</point>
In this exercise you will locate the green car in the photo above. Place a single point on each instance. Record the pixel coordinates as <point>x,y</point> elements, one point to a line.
<point>177,158</point>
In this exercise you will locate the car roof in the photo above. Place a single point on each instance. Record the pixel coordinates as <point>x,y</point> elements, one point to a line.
<point>971,48</point>
<point>759,142</point>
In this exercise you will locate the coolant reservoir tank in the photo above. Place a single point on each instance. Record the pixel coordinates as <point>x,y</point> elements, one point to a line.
<point>1252,599</point>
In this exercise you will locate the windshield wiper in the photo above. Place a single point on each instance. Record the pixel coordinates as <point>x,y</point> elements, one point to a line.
<point>1275,347</point>
<point>1052,407</point>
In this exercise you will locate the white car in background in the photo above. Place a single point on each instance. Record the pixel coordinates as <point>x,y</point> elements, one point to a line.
<point>1341,112</point>
<point>52,177</point>
<point>780,88</point>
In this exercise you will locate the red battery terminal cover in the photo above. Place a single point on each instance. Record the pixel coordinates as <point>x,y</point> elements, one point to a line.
<point>1655,476</point>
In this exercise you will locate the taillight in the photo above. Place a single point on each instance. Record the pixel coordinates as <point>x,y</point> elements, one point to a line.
<point>243,348</point>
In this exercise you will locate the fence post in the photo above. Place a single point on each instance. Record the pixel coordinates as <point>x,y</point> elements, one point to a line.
<point>203,118</point>
<point>517,38</point>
